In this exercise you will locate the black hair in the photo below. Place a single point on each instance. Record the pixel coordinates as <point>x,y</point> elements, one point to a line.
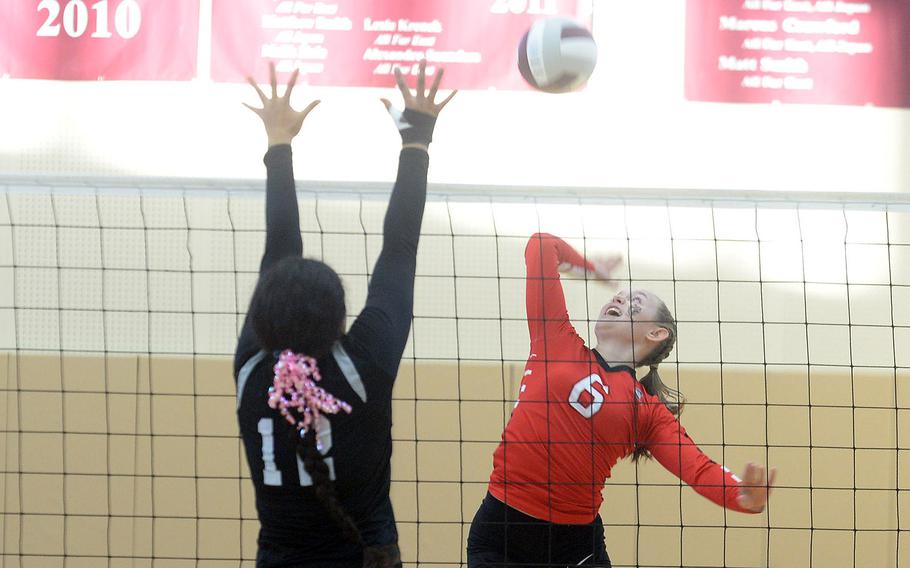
<point>298,304</point>
<point>314,463</point>
<point>672,398</point>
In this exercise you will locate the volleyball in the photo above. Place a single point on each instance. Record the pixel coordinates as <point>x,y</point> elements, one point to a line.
<point>556,55</point>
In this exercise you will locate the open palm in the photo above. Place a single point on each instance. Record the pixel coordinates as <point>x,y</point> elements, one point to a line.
<point>282,122</point>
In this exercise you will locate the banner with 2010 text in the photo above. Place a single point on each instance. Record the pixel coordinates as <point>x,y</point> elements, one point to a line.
<point>99,39</point>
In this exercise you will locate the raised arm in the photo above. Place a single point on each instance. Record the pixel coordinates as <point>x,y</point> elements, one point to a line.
<point>668,442</point>
<point>383,326</point>
<point>282,123</point>
<point>282,220</point>
<point>546,302</point>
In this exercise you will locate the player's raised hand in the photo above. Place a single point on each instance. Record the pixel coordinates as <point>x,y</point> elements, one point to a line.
<point>417,121</point>
<point>755,488</point>
<point>282,123</point>
<point>604,268</point>
<point>421,100</point>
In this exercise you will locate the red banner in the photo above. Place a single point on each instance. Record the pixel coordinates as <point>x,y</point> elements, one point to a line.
<point>99,39</point>
<point>358,42</point>
<point>799,51</point>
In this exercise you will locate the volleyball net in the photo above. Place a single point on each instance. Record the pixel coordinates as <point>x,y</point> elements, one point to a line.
<point>120,304</point>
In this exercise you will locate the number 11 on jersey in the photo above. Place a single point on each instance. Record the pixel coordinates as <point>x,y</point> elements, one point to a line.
<point>271,475</point>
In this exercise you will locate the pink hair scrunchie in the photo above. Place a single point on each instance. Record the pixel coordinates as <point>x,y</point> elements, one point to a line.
<point>294,393</point>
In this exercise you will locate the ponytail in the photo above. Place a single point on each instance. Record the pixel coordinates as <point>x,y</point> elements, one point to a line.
<point>671,398</point>
<point>314,464</point>
<point>294,393</point>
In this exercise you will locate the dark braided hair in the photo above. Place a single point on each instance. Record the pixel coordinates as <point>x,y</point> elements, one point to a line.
<point>314,463</point>
<point>672,398</point>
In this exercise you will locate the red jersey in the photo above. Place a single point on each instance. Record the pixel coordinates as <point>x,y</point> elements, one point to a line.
<point>576,416</point>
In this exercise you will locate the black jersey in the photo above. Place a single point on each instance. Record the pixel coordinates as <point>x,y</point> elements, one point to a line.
<point>360,370</point>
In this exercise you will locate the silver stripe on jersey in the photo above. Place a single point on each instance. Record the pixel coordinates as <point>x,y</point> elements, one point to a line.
<point>585,559</point>
<point>349,370</point>
<point>245,371</point>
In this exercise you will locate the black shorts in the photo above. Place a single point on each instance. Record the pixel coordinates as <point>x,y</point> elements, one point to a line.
<point>503,537</point>
<point>271,557</point>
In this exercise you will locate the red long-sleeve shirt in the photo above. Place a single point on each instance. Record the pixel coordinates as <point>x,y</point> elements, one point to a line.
<point>576,417</point>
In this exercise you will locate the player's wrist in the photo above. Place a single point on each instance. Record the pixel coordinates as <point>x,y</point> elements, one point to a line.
<point>416,146</point>
<point>416,127</point>
<point>278,140</point>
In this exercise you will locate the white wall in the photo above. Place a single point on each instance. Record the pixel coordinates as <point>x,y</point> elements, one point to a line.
<point>631,128</point>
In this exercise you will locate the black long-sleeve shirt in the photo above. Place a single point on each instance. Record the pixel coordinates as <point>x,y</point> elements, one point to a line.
<point>360,370</point>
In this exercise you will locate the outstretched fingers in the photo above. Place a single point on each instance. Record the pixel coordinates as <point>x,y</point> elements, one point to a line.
<point>422,79</point>
<point>435,86</point>
<point>273,80</point>
<point>259,92</point>
<point>282,123</point>
<point>309,107</point>
<point>403,86</point>
<point>291,82</point>
<point>421,99</point>
<point>273,83</point>
<point>258,111</point>
<point>445,101</point>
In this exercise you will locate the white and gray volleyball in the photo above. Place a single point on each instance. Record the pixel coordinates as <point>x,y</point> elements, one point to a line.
<point>557,55</point>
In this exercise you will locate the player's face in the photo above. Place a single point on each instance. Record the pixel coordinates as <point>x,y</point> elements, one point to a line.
<point>630,316</point>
